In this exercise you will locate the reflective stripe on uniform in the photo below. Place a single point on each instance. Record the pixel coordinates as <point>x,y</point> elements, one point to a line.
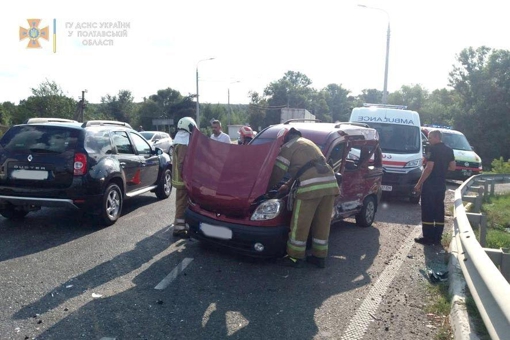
<point>317,187</point>
<point>283,160</point>
<point>179,220</point>
<point>301,249</point>
<point>296,242</point>
<point>319,247</point>
<point>293,227</point>
<point>282,166</point>
<point>318,180</point>
<point>427,223</point>
<point>316,240</point>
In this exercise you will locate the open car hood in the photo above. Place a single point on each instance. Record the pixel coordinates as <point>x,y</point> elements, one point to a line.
<point>227,178</point>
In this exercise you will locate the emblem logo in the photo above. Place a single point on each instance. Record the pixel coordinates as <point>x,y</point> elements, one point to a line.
<point>29,158</point>
<point>33,33</point>
<point>466,164</point>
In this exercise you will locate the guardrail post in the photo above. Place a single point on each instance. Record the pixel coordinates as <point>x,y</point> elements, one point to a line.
<point>483,230</point>
<point>478,201</point>
<point>493,186</point>
<point>486,190</point>
<point>505,263</point>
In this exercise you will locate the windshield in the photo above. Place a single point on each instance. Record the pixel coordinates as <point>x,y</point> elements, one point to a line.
<point>398,138</point>
<point>456,141</point>
<point>147,135</point>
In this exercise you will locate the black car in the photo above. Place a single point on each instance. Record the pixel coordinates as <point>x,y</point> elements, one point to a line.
<point>92,166</point>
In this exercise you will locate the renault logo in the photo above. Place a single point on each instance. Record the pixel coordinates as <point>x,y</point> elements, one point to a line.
<point>30,158</point>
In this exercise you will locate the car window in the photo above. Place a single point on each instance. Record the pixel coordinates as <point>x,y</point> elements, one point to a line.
<point>141,145</point>
<point>147,135</point>
<point>98,142</point>
<point>122,143</point>
<point>336,155</point>
<point>50,139</point>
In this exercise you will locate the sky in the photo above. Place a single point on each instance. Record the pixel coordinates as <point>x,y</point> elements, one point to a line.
<point>253,43</point>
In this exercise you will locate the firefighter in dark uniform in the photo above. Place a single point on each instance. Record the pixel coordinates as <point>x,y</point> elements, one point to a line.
<point>432,185</point>
<point>185,127</point>
<point>314,191</point>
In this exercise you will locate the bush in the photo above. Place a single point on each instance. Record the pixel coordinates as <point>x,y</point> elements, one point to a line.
<point>499,166</point>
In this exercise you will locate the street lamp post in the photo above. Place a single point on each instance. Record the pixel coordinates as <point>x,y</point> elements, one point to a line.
<point>385,90</point>
<point>198,104</point>
<point>229,109</point>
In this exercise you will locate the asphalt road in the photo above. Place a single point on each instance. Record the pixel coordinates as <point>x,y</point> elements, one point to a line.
<point>63,277</point>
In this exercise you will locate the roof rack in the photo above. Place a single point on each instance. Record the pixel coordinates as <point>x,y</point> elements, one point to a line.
<point>400,107</point>
<point>302,120</point>
<point>105,122</point>
<point>49,120</point>
<point>337,124</point>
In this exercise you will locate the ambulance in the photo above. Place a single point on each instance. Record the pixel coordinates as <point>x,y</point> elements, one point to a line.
<point>467,162</point>
<point>401,143</point>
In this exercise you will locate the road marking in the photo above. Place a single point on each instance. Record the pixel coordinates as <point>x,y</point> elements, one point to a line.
<point>174,273</point>
<point>360,321</point>
<point>107,338</point>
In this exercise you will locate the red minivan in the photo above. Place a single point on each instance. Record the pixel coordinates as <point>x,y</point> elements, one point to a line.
<point>231,205</point>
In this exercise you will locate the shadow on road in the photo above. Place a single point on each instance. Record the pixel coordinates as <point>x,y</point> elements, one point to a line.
<point>218,295</point>
<point>49,228</point>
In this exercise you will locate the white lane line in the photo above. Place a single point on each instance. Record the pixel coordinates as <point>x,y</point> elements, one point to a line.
<point>360,321</point>
<point>106,338</point>
<point>174,273</point>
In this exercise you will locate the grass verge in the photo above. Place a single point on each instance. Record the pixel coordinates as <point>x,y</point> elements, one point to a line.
<point>438,310</point>
<point>498,219</point>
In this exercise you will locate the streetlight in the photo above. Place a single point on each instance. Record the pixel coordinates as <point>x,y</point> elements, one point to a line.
<point>198,104</point>
<point>229,109</point>
<point>385,90</point>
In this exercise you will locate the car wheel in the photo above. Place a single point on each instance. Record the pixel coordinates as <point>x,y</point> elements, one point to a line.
<point>112,204</point>
<point>366,216</point>
<point>164,188</point>
<point>12,213</point>
<point>414,200</point>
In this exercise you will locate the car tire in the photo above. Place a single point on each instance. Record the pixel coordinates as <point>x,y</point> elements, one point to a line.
<point>164,188</point>
<point>12,213</point>
<point>111,207</point>
<point>414,200</point>
<point>366,216</point>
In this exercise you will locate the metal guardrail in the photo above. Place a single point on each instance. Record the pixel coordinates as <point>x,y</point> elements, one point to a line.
<point>486,282</point>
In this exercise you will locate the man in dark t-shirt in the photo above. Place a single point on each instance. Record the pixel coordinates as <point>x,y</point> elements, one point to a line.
<point>432,185</point>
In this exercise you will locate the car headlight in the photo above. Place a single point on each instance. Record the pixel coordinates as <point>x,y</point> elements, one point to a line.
<point>414,163</point>
<point>267,210</point>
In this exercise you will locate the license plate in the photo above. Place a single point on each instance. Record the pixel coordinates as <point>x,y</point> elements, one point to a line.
<point>216,231</point>
<point>386,187</point>
<point>466,172</point>
<point>29,174</point>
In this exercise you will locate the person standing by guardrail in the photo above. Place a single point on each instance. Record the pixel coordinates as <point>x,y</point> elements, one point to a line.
<point>432,185</point>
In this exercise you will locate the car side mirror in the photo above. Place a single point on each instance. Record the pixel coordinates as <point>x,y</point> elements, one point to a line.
<point>472,147</point>
<point>158,151</point>
<point>338,177</point>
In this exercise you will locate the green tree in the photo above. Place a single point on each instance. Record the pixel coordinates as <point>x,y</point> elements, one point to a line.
<point>414,97</point>
<point>372,96</point>
<point>337,101</point>
<point>293,90</point>
<point>119,108</point>
<point>47,100</point>
<point>257,111</point>
<point>482,80</point>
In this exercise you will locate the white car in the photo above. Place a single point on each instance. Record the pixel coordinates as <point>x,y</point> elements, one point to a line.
<point>159,139</point>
